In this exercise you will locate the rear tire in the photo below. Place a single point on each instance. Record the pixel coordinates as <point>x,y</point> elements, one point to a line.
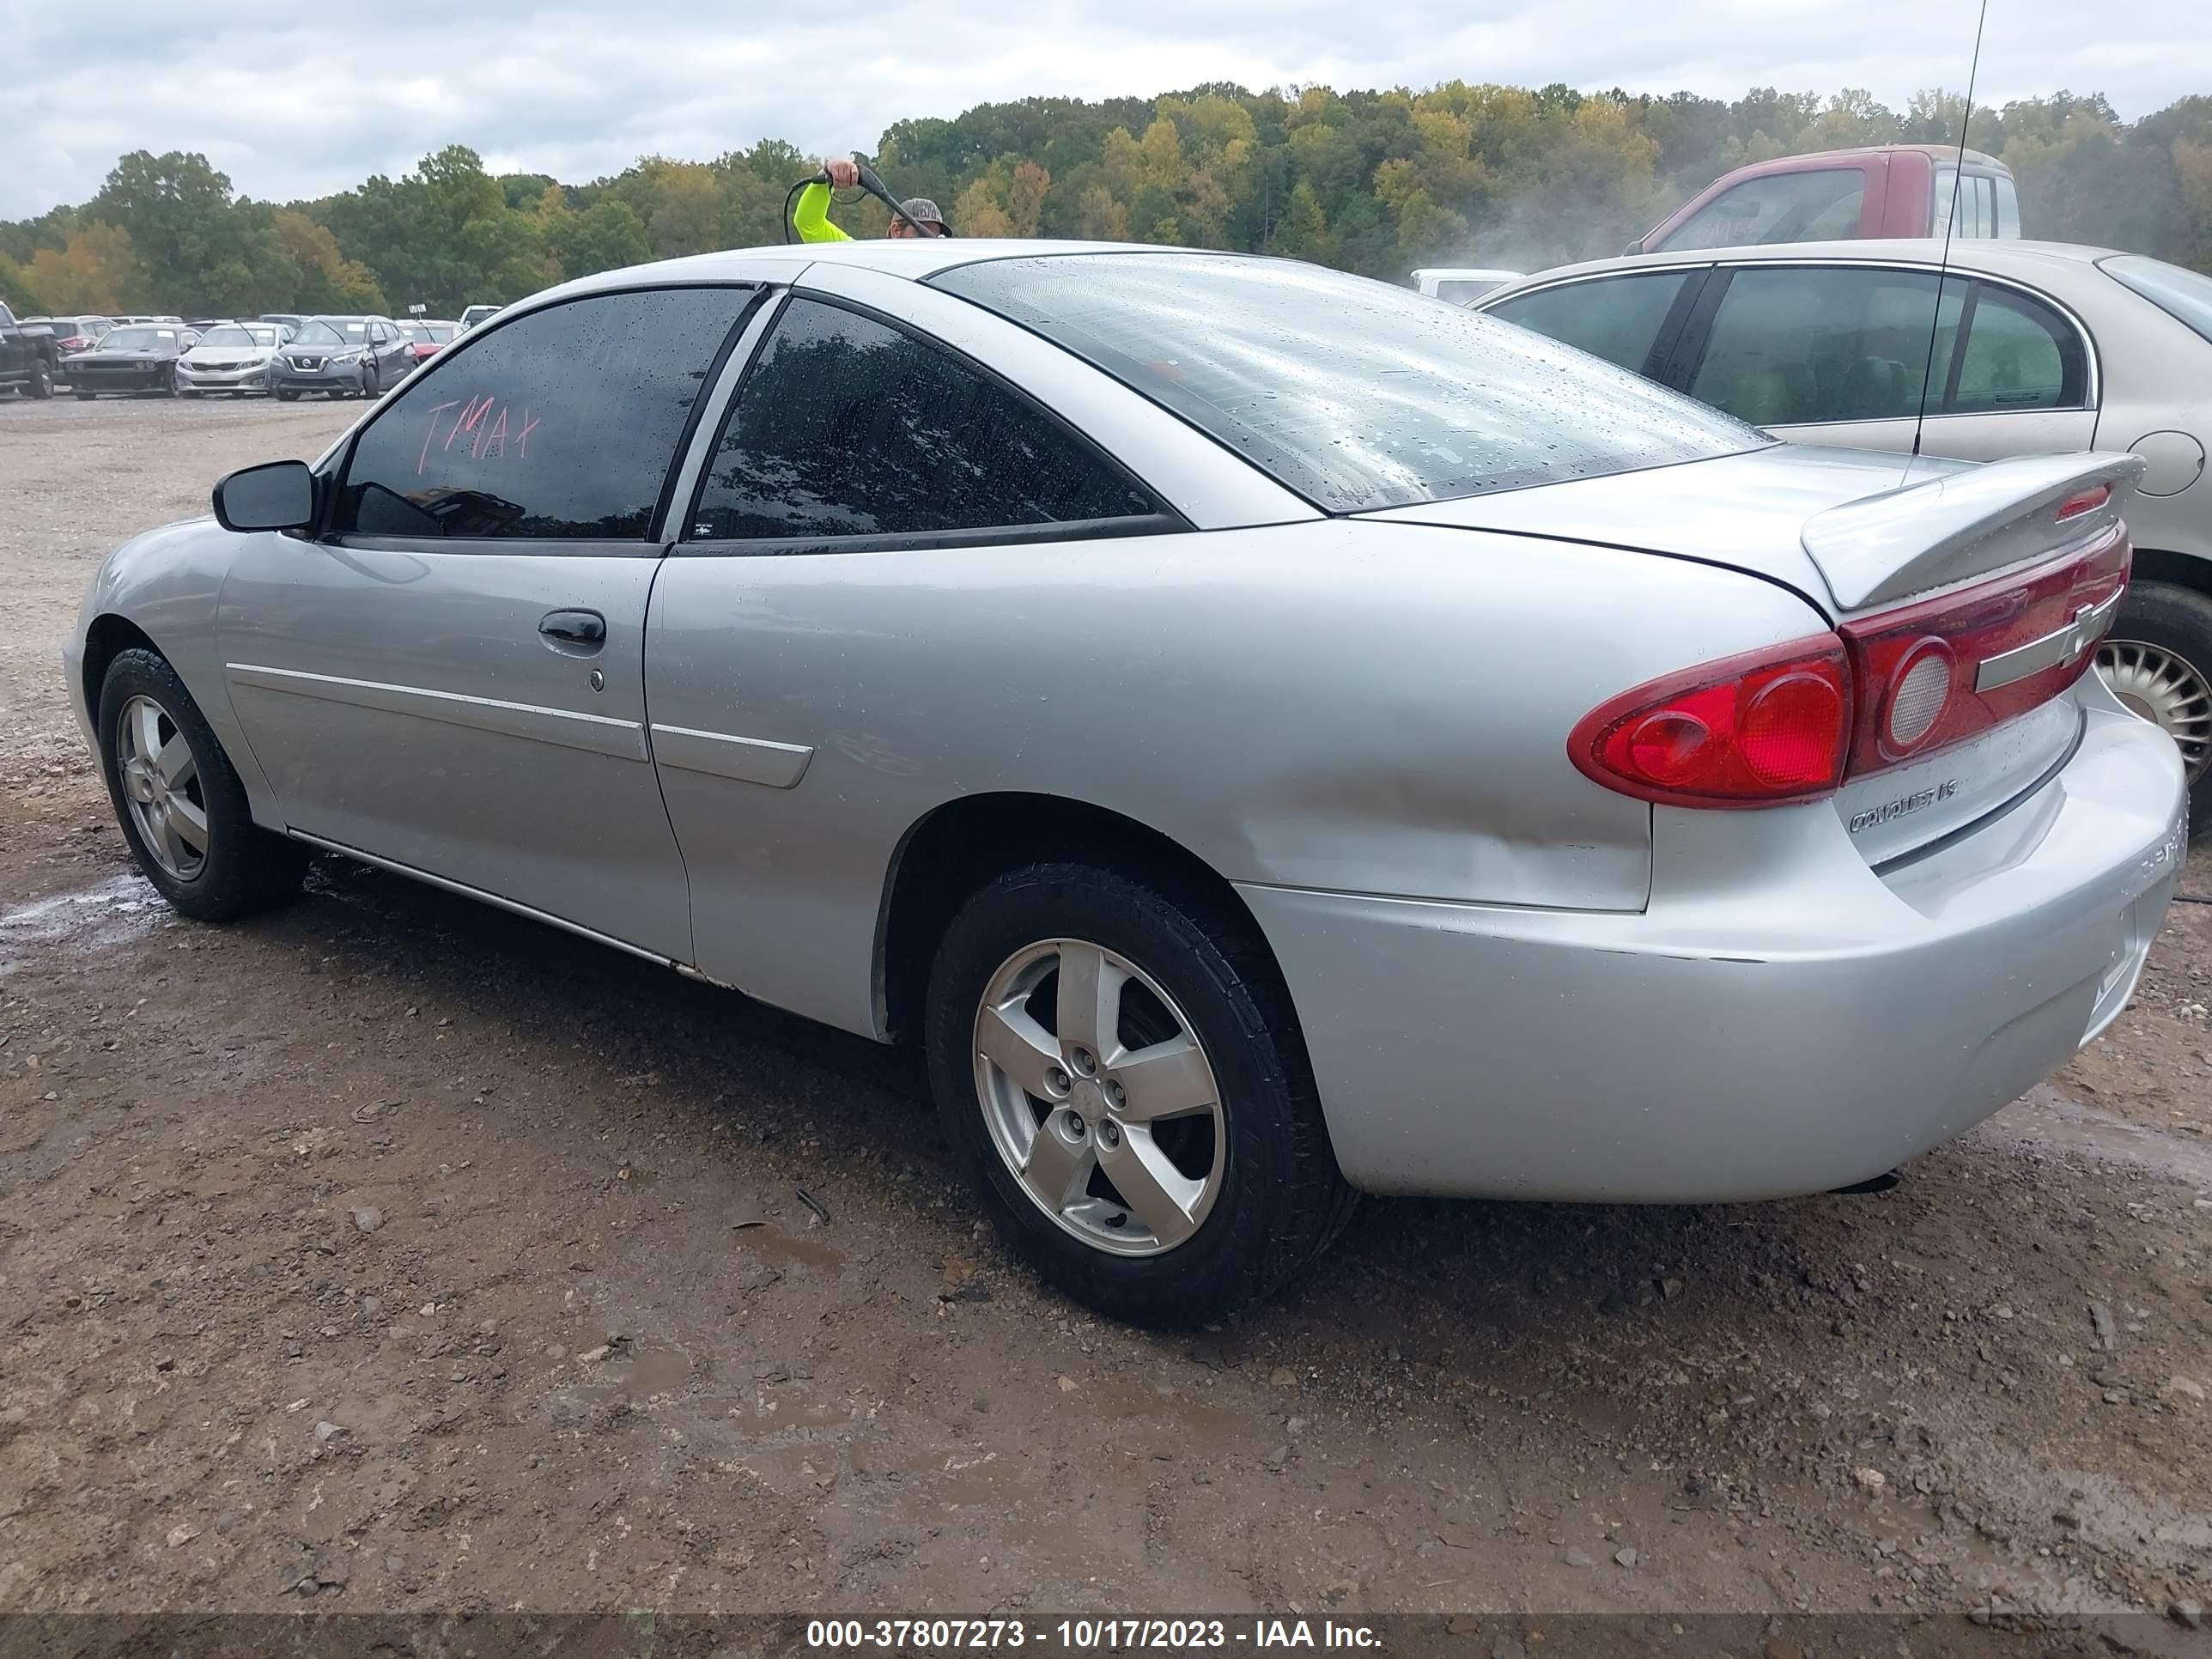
<point>165,802</point>
<point>2158,660</point>
<point>1260,1196</point>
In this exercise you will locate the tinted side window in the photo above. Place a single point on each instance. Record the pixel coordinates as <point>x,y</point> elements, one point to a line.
<point>1781,207</point>
<point>2018,355</point>
<point>1617,319</point>
<point>1798,345</point>
<point>561,424</point>
<point>847,426</point>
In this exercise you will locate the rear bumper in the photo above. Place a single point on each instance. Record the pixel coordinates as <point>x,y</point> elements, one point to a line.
<point>1781,1019</point>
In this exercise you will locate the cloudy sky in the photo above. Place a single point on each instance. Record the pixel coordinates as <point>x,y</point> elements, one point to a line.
<point>294,98</point>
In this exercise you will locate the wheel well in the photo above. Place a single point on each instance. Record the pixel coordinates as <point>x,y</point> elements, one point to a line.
<point>964,843</point>
<point>107,638</point>
<point>2153,564</point>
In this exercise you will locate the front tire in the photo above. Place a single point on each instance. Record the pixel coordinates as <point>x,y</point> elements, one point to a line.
<point>179,800</point>
<point>1119,1066</point>
<point>2158,660</point>
<point>41,385</point>
<point>284,394</point>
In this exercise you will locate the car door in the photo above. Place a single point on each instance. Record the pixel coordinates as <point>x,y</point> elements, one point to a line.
<point>864,478</point>
<point>394,360</point>
<point>451,676</point>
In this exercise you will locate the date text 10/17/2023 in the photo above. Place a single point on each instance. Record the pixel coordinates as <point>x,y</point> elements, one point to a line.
<point>1086,1635</point>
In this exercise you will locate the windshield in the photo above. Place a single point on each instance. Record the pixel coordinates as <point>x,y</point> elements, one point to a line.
<point>318,334</point>
<point>1354,394</point>
<point>2184,296</point>
<point>233,334</point>
<point>139,339</point>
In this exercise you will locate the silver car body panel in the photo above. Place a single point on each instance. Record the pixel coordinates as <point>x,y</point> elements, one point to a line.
<point>1510,980</point>
<point>404,702</point>
<point>1781,1019</point>
<point>1417,749</point>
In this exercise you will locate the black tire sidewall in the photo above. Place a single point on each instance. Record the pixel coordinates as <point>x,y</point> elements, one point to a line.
<point>1277,1204</point>
<point>246,868</point>
<point>2179,620</point>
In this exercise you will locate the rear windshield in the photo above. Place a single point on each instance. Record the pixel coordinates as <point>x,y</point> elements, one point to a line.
<point>2185,295</point>
<point>1354,394</point>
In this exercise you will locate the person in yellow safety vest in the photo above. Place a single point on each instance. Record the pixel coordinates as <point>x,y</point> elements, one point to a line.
<point>811,216</point>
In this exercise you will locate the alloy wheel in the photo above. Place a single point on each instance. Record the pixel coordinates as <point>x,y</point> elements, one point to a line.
<point>162,784</point>
<point>1100,1098</point>
<point>2166,690</point>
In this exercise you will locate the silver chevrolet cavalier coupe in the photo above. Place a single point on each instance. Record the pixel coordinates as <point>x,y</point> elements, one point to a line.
<point>1266,735</point>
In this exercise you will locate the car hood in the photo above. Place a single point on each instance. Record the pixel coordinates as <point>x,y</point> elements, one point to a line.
<point>129,355</point>
<point>223,354</point>
<point>1747,512</point>
<point>297,349</point>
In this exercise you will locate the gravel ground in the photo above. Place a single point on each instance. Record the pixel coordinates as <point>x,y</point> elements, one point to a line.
<point>395,1253</point>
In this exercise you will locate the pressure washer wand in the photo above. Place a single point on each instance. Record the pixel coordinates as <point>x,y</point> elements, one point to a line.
<point>876,188</point>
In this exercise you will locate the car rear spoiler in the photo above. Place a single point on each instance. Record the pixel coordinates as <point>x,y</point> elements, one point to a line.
<point>1962,524</point>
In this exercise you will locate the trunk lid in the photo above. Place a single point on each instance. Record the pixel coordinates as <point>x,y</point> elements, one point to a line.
<point>2007,573</point>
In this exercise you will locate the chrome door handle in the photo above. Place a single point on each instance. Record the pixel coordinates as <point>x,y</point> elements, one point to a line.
<point>587,629</point>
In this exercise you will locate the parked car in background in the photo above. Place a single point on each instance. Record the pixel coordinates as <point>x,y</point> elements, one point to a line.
<point>173,320</point>
<point>475,314</point>
<point>136,357</point>
<point>1886,191</point>
<point>342,357</point>
<point>1459,284</point>
<point>291,321</point>
<point>1645,810</point>
<point>72,333</point>
<point>2036,347</point>
<point>428,338</point>
<point>29,360</point>
<point>230,358</point>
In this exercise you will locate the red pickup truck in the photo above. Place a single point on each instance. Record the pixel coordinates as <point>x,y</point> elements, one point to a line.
<point>1890,191</point>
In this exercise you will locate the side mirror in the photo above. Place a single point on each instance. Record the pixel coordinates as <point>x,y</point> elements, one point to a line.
<point>1632,249</point>
<point>274,495</point>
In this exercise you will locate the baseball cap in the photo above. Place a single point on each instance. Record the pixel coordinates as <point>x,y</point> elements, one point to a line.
<point>921,210</point>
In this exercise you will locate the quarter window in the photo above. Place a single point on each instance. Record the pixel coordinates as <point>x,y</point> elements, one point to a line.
<point>563,424</point>
<point>1617,319</point>
<point>1817,206</point>
<point>847,427</point>
<point>2018,355</point>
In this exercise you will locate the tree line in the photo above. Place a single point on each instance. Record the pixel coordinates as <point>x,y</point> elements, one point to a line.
<point>1377,182</point>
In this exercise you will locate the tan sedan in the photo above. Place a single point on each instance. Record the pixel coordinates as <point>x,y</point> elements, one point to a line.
<point>2028,348</point>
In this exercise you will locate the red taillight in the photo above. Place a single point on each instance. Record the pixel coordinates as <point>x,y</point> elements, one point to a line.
<point>1948,669</point>
<point>1757,730</point>
<point>1790,723</point>
<point>74,342</point>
